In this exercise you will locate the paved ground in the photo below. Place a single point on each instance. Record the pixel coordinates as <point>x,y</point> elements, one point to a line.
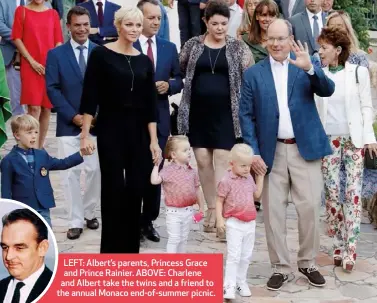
<point>360,286</point>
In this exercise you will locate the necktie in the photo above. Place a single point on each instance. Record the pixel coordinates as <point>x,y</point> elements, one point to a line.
<point>149,51</point>
<point>22,2</point>
<point>82,63</point>
<point>315,31</point>
<point>100,13</point>
<point>17,294</point>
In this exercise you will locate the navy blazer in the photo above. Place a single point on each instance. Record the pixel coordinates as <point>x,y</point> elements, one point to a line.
<point>37,289</point>
<point>64,83</point>
<point>259,111</point>
<point>19,183</point>
<point>108,29</point>
<point>168,70</point>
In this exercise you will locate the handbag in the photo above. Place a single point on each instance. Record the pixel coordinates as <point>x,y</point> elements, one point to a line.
<point>17,56</point>
<point>369,162</point>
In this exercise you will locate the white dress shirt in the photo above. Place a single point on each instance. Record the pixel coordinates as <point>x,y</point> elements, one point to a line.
<point>280,74</point>
<point>96,6</point>
<point>234,20</point>
<point>337,122</point>
<point>144,47</point>
<point>26,289</point>
<point>74,45</point>
<point>319,20</point>
<point>290,7</point>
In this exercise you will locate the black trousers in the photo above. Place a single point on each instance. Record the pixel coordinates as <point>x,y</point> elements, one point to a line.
<point>152,194</point>
<point>189,20</point>
<point>123,151</point>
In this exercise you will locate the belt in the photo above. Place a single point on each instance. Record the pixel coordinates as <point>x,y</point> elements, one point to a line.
<point>287,141</point>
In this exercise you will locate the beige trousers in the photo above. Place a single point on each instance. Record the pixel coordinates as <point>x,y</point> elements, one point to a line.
<point>291,173</point>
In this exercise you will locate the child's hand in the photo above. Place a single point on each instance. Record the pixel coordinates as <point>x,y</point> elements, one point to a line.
<point>160,159</point>
<point>220,225</point>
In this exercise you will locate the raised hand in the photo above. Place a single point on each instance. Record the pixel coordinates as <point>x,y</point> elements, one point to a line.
<point>303,60</point>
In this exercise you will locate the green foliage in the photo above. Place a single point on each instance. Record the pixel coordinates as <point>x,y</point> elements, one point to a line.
<point>358,10</point>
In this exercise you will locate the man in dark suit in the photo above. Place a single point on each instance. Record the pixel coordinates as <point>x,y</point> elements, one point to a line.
<point>280,121</point>
<point>308,25</point>
<point>24,242</point>
<point>168,79</point>
<point>101,14</point>
<point>65,70</point>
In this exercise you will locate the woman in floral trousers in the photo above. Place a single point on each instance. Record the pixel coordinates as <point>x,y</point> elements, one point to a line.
<point>347,117</point>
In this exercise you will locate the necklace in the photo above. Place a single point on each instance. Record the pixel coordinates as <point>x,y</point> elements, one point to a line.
<point>210,59</point>
<point>334,69</point>
<point>132,71</point>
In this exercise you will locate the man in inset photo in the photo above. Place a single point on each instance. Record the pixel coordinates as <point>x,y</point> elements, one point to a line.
<point>24,243</point>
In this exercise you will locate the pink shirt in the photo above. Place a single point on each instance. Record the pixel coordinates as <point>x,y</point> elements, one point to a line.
<point>238,194</point>
<point>180,184</point>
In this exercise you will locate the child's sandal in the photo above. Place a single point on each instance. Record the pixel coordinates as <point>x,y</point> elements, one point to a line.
<point>348,264</point>
<point>337,255</point>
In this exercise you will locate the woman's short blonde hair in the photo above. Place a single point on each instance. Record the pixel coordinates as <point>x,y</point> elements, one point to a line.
<point>127,13</point>
<point>24,123</point>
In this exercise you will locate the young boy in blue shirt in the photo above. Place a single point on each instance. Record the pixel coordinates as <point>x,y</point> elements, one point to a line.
<point>25,171</point>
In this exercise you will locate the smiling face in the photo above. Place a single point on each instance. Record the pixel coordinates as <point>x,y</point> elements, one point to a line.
<point>130,29</point>
<point>327,5</point>
<point>279,40</point>
<point>27,138</point>
<point>265,18</point>
<point>217,27</point>
<point>79,28</point>
<point>22,254</point>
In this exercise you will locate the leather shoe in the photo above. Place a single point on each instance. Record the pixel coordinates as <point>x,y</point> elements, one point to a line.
<point>92,224</point>
<point>150,233</point>
<point>74,233</point>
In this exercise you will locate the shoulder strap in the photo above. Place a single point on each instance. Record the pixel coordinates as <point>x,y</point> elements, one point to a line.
<point>357,75</point>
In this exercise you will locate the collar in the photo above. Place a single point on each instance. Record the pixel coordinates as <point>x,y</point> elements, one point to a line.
<point>179,166</point>
<point>95,2</point>
<point>234,7</point>
<point>74,44</point>
<point>274,62</point>
<point>32,279</point>
<point>23,151</point>
<point>232,175</point>
<point>144,40</point>
<point>310,14</point>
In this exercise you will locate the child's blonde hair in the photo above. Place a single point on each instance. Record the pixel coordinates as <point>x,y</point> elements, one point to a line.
<point>172,144</point>
<point>240,150</point>
<point>23,122</point>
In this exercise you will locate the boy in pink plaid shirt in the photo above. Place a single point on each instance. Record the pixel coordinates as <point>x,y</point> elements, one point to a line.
<point>235,202</point>
<point>180,183</point>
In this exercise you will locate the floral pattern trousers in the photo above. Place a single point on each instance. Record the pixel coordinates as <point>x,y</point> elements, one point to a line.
<point>343,217</point>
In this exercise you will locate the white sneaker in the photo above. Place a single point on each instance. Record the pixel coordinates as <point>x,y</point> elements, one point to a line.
<point>243,290</point>
<point>229,292</point>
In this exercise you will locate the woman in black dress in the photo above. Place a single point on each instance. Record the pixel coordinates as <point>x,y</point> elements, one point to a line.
<point>208,113</point>
<point>119,87</point>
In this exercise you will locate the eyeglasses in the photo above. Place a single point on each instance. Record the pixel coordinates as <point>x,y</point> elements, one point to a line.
<point>279,40</point>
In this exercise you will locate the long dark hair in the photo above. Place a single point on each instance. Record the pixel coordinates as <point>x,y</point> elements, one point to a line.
<point>255,31</point>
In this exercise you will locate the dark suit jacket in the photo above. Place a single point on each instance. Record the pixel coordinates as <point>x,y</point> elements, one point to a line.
<point>259,111</point>
<point>167,69</point>
<point>108,29</point>
<point>38,288</point>
<point>302,30</point>
<point>19,183</point>
<point>64,83</point>
<point>283,5</point>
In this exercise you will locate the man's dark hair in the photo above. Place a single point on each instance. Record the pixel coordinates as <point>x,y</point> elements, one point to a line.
<point>25,214</point>
<point>141,3</point>
<point>216,7</point>
<point>78,11</point>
